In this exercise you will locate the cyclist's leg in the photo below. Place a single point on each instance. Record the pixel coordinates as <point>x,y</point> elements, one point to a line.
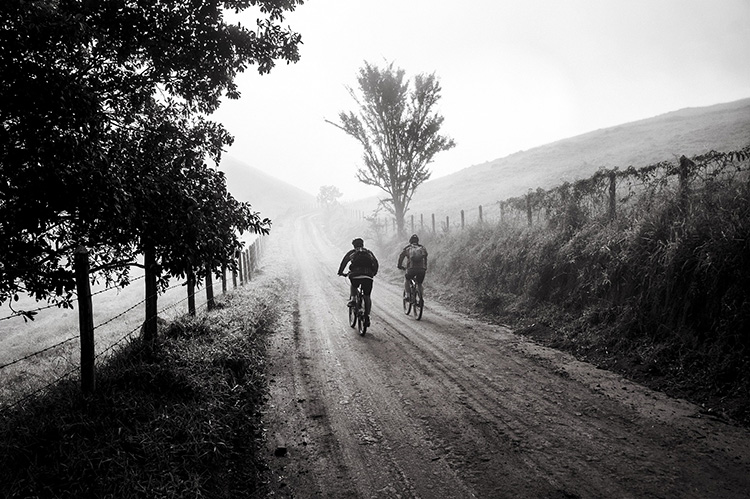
<point>366,290</point>
<point>408,275</point>
<point>352,290</point>
<point>419,277</point>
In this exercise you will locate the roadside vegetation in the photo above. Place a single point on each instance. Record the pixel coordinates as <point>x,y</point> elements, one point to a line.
<point>182,421</point>
<point>659,294</point>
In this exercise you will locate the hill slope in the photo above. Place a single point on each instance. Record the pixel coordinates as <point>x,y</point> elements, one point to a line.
<point>690,131</point>
<point>270,196</point>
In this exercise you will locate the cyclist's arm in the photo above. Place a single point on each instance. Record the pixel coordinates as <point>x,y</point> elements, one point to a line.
<point>344,261</point>
<point>401,259</point>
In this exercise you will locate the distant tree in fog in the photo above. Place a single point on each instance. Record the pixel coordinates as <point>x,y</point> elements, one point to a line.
<point>398,128</point>
<point>328,195</point>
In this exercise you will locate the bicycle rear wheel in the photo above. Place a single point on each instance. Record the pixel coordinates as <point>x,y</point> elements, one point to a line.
<point>361,327</point>
<point>407,303</point>
<point>353,316</point>
<point>418,304</point>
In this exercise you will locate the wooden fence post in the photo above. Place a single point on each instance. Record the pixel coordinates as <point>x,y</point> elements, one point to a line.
<point>462,219</point>
<point>684,172</point>
<point>241,267</point>
<point>234,270</point>
<point>433,223</point>
<point>480,214</point>
<point>210,303</point>
<point>191,291</point>
<point>612,194</point>
<point>247,265</point>
<point>528,208</point>
<point>85,319</point>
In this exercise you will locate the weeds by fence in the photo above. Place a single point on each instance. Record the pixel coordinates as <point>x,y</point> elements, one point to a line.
<point>606,195</point>
<point>248,261</point>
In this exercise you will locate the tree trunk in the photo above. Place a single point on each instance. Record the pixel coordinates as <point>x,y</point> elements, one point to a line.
<point>210,303</point>
<point>149,325</point>
<point>85,320</point>
<point>399,212</point>
<point>191,292</point>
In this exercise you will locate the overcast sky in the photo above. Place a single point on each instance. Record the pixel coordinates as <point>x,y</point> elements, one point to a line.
<point>515,75</point>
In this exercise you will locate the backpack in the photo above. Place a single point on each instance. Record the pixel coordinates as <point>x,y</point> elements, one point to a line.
<point>361,259</point>
<point>416,256</point>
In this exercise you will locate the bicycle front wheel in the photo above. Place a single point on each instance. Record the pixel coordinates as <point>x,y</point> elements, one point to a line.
<point>407,303</point>
<point>418,304</point>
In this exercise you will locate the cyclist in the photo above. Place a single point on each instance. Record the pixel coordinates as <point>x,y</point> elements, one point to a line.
<point>363,266</point>
<point>416,263</point>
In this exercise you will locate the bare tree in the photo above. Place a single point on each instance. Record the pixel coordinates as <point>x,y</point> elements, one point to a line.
<point>398,128</point>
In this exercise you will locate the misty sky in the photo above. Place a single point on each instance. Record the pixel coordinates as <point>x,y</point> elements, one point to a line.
<point>515,75</point>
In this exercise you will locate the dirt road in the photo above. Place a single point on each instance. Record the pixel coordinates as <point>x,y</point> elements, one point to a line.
<point>451,407</point>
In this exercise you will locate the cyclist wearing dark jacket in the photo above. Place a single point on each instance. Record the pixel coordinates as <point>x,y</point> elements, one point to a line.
<point>416,263</point>
<point>363,266</point>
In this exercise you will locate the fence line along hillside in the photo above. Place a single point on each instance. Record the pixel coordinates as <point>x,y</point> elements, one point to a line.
<point>27,371</point>
<point>607,194</point>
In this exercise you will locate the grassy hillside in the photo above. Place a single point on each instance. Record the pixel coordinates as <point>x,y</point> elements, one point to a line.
<point>271,197</point>
<point>658,293</point>
<point>691,131</point>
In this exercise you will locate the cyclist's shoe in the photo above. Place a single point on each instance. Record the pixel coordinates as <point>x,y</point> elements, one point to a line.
<point>367,321</point>
<point>351,303</point>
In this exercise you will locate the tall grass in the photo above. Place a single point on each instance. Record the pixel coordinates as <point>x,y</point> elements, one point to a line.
<point>182,422</point>
<point>662,290</point>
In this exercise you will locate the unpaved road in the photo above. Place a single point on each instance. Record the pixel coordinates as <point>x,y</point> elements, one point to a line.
<point>452,407</point>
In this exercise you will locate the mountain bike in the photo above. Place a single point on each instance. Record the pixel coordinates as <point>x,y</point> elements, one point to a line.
<point>413,300</point>
<point>357,311</point>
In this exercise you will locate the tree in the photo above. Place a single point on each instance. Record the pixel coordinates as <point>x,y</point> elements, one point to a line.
<point>179,214</point>
<point>399,130</point>
<point>328,196</point>
<point>74,78</point>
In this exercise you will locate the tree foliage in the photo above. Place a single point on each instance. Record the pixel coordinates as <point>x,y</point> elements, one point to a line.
<point>103,141</point>
<point>328,195</point>
<point>398,127</point>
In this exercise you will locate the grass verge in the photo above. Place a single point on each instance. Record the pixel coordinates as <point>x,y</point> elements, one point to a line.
<point>184,421</point>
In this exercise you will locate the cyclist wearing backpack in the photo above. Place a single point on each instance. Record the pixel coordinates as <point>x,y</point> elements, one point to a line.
<point>416,263</point>
<point>363,266</point>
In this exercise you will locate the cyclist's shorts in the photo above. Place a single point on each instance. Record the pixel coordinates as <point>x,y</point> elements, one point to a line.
<point>365,282</point>
<point>417,274</point>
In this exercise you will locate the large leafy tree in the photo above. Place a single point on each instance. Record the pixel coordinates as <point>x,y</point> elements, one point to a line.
<point>398,127</point>
<point>75,78</point>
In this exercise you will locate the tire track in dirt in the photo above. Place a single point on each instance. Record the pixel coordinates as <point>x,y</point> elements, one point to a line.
<point>451,407</point>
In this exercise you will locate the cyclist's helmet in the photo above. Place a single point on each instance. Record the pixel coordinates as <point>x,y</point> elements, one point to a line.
<point>414,239</point>
<point>358,242</point>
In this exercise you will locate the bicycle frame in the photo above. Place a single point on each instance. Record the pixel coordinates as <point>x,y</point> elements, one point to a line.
<point>357,312</point>
<point>413,301</point>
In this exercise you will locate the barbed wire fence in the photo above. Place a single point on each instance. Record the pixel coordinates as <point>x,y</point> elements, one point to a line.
<point>607,194</point>
<point>248,262</point>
